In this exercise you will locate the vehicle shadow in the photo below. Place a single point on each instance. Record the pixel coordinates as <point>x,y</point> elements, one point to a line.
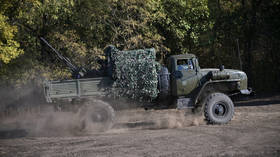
<point>258,101</point>
<point>13,133</point>
<point>141,124</point>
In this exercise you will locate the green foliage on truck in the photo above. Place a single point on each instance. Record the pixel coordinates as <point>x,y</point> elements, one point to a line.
<point>135,74</point>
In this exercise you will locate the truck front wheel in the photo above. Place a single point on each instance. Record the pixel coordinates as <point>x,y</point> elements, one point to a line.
<point>219,108</point>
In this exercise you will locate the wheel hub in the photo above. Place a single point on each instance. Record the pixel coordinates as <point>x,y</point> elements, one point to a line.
<point>220,109</point>
<point>99,116</point>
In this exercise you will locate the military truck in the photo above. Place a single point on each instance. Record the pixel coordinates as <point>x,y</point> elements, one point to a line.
<point>181,84</point>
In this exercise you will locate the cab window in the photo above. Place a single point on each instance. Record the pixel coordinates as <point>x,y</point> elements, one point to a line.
<point>184,64</point>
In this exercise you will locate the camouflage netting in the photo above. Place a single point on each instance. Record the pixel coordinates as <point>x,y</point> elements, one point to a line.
<point>135,73</point>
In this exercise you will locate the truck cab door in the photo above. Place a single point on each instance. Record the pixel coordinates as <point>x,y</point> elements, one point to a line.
<point>184,77</point>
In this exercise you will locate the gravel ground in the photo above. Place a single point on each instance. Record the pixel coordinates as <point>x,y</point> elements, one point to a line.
<point>254,131</point>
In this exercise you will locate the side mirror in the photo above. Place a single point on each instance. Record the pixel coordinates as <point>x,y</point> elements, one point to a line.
<point>221,67</point>
<point>195,61</point>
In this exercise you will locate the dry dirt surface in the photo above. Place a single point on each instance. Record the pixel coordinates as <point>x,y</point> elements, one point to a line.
<point>254,131</point>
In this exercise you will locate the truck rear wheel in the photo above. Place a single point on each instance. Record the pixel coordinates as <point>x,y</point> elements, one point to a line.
<point>96,116</point>
<point>219,108</point>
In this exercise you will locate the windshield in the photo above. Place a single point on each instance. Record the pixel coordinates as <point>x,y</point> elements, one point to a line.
<point>184,64</point>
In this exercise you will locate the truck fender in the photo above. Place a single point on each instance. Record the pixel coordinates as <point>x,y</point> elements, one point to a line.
<point>207,84</point>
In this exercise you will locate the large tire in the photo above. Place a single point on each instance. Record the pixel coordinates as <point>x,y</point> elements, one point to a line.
<point>219,109</point>
<point>96,116</point>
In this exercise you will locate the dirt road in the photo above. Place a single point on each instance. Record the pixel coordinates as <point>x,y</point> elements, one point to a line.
<point>254,131</point>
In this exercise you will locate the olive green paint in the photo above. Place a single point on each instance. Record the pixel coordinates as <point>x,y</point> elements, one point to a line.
<point>180,85</point>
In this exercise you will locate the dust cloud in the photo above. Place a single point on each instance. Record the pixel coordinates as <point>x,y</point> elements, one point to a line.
<point>155,119</point>
<point>24,112</point>
<point>51,123</point>
<point>46,123</point>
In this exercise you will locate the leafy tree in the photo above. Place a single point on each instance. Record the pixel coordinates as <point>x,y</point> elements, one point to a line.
<point>245,29</point>
<point>217,31</point>
<point>131,25</point>
<point>182,23</point>
<point>9,47</point>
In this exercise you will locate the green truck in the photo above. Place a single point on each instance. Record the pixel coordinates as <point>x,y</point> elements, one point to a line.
<point>181,84</point>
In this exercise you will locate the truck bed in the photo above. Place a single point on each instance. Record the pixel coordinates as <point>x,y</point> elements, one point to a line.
<point>76,88</point>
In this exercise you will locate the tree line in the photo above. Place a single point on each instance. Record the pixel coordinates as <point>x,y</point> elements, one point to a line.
<point>237,33</point>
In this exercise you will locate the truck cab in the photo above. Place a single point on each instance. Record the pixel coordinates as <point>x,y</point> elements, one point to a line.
<point>190,84</point>
<point>185,74</point>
